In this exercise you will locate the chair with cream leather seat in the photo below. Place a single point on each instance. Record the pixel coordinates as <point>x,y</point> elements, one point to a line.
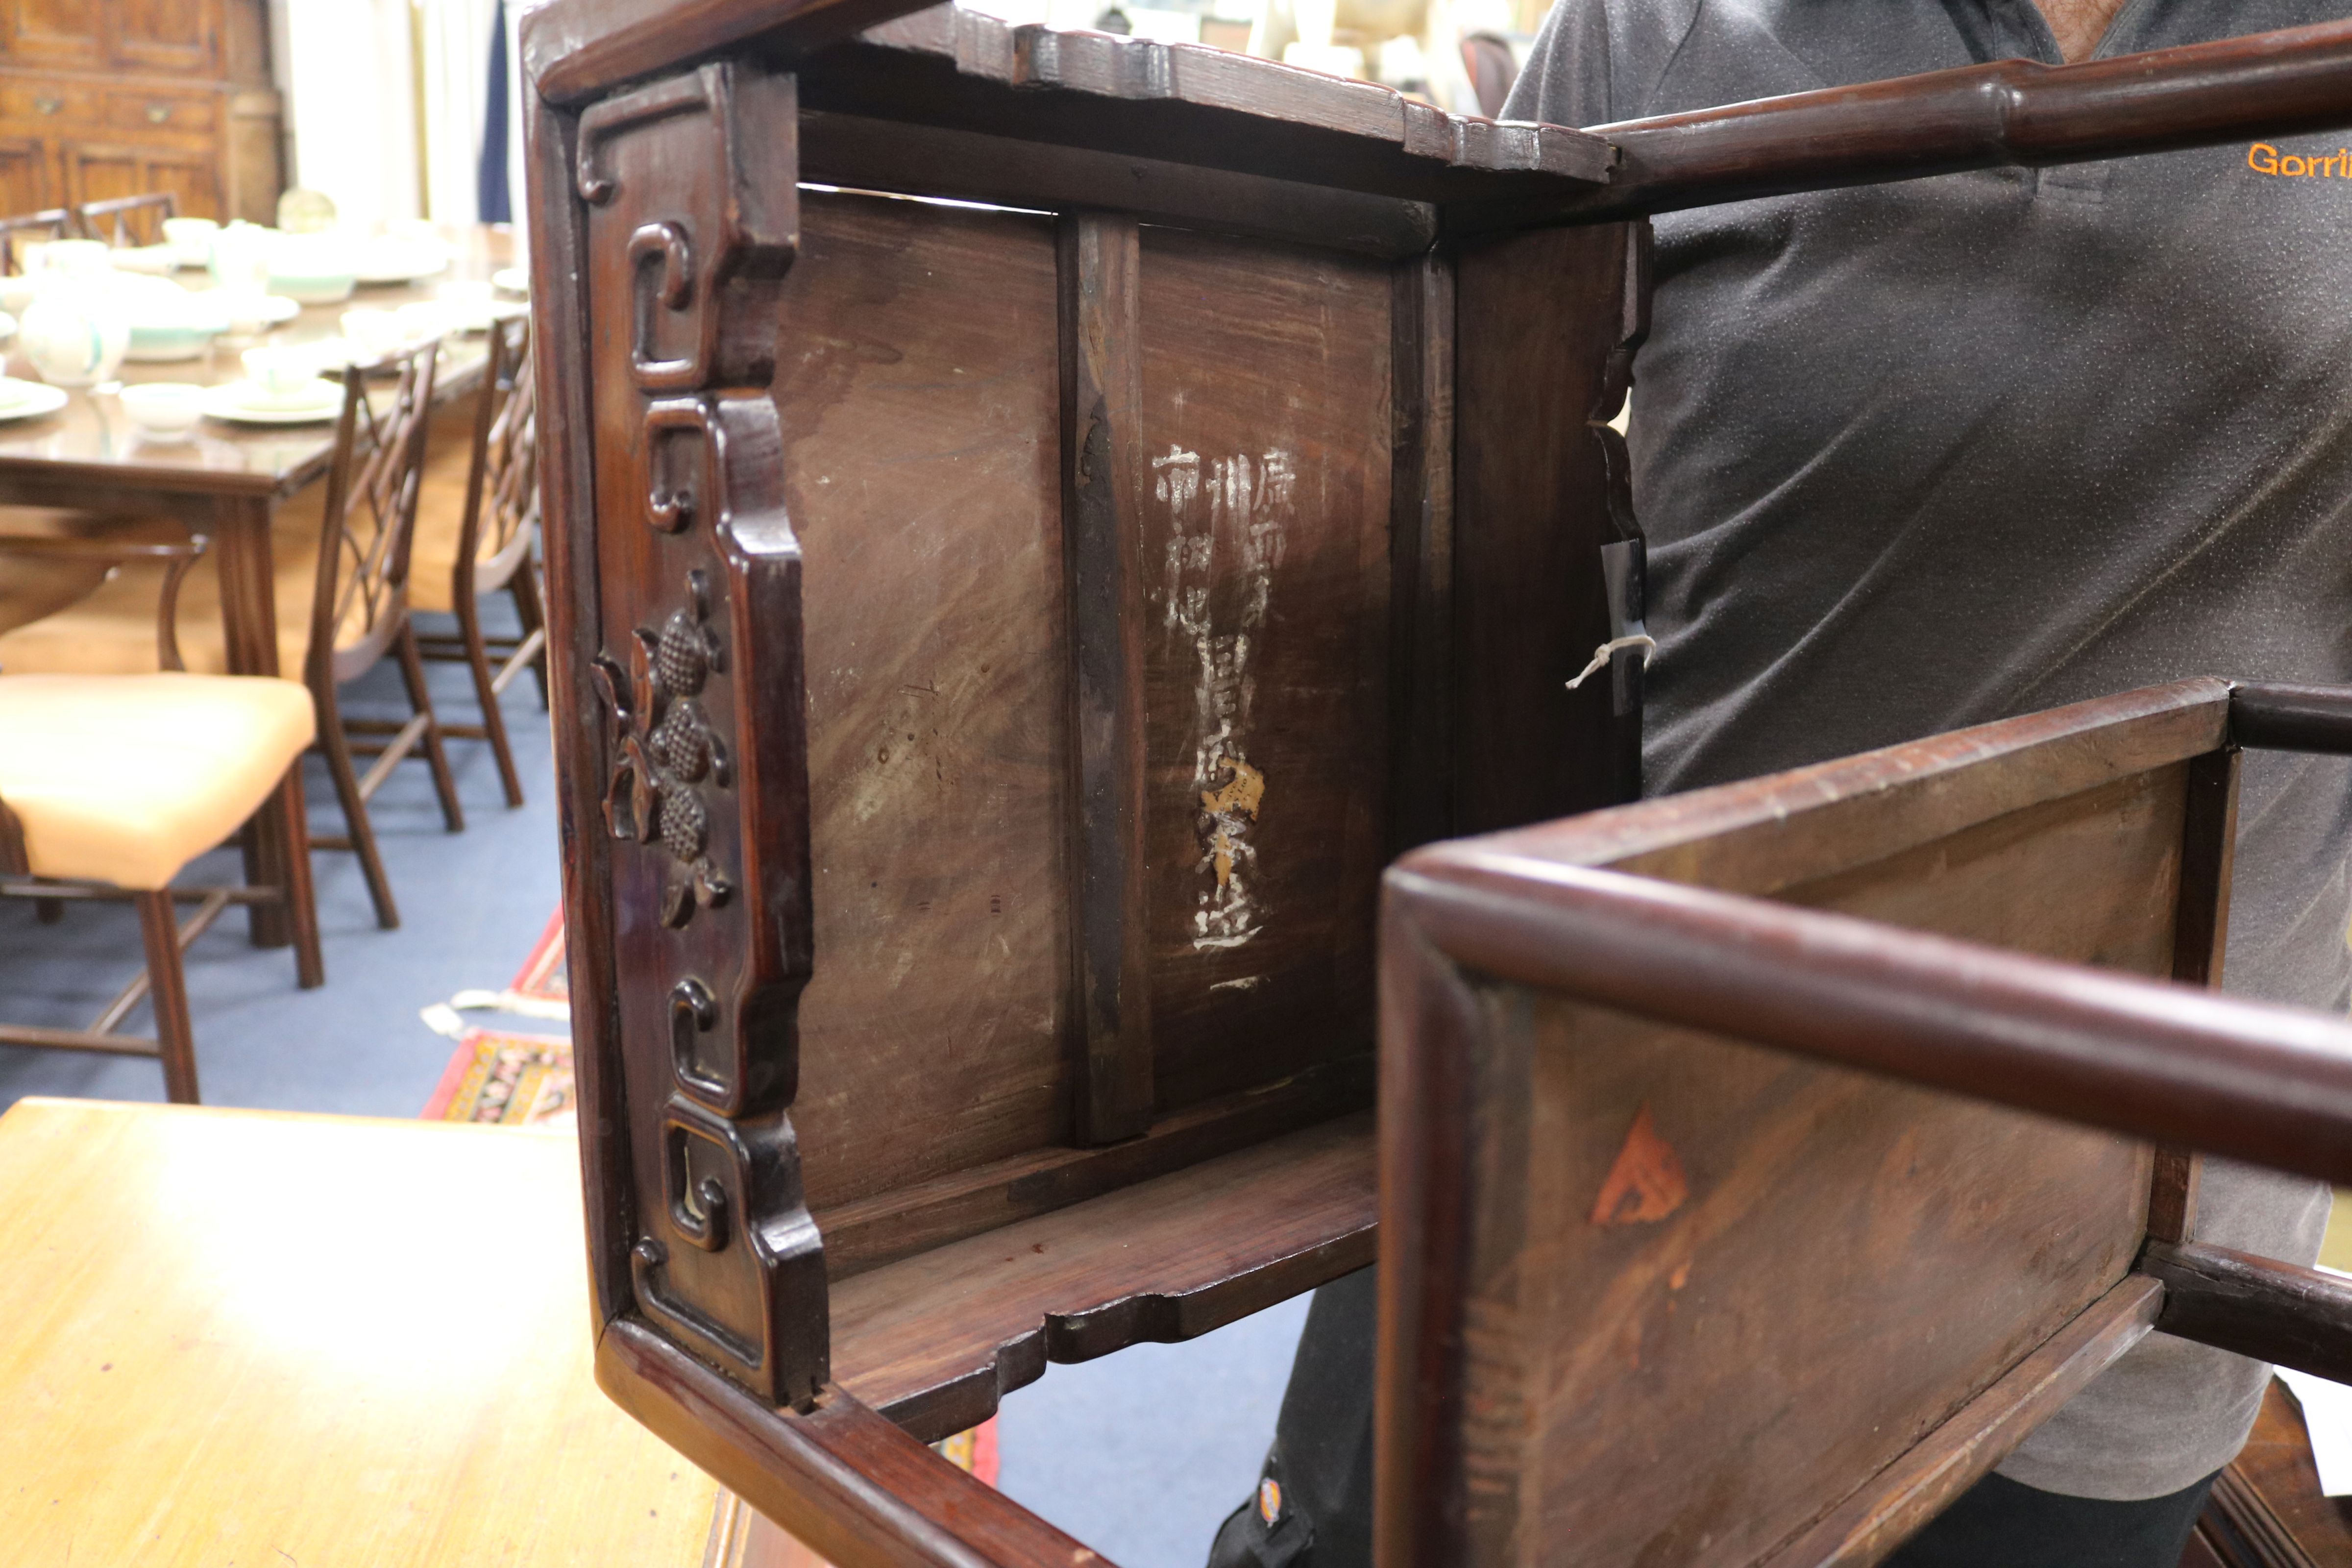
<point>476,521</point>
<point>110,785</point>
<point>342,555</point>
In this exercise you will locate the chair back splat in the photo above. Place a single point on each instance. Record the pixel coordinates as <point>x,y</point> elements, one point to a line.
<point>129,220</point>
<point>54,223</point>
<point>998,641</point>
<point>358,604</point>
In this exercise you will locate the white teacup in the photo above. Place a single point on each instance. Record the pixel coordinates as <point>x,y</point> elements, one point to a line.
<point>164,410</point>
<point>376,331</point>
<point>281,375</point>
<point>191,239</point>
<point>74,255</point>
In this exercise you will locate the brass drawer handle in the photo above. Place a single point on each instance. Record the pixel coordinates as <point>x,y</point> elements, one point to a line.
<point>48,105</point>
<point>158,112</point>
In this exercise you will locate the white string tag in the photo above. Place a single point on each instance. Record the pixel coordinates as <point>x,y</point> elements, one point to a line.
<point>1606,651</point>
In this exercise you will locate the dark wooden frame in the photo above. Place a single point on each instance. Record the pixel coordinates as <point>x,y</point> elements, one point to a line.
<point>61,219</point>
<point>1577,910</point>
<point>164,936</point>
<point>1518,270</point>
<point>116,210</point>
<point>502,494</point>
<point>366,529</point>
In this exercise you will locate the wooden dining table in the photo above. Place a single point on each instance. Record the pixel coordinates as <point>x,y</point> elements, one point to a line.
<point>229,480</point>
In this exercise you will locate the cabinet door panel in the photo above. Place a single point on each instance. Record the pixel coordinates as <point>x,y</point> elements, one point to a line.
<point>25,183</point>
<point>178,36</point>
<point>194,177</point>
<point>51,32</point>
<point>95,173</point>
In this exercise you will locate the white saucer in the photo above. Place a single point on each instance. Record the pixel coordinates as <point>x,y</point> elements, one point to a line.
<point>513,279</point>
<point>235,403</point>
<point>25,399</point>
<point>397,269</point>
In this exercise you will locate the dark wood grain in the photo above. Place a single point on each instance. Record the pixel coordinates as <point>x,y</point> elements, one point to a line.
<point>692,223</point>
<point>1978,1437</point>
<point>2267,1511</point>
<point>2268,1084</point>
<point>880,154</point>
<point>842,1479</point>
<point>1762,835</point>
<point>1129,96</point>
<point>1539,320</point>
<point>2010,112</point>
<point>934,1341</point>
<point>567,490</point>
<point>2257,1307</point>
<point>1421,553</point>
<point>924,480</point>
<point>1103,465</point>
<point>864,1233</point>
<point>1266,388</point>
<point>2279,717</point>
<point>573,50</point>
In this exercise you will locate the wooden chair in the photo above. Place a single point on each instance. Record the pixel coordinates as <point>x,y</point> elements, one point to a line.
<point>53,223</point>
<point>129,220</point>
<point>975,966</point>
<point>477,525</point>
<point>358,603</point>
<point>110,784</point>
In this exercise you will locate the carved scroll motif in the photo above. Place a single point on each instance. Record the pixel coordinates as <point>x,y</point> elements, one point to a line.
<point>692,189</point>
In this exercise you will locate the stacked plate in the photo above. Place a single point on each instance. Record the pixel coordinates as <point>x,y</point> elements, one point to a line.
<point>251,402</point>
<point>25,399</point>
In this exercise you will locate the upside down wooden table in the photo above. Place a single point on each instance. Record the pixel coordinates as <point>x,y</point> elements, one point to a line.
<point>229,482</point>
<point>232,1337</point>
<point>998,641</point>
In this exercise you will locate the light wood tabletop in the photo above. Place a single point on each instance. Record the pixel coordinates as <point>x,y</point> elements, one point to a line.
<point>232,1338</point>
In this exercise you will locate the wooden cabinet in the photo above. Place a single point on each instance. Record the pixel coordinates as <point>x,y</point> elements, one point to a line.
<point>110,98</point>
<point>25,184</point>
<point>54,33</point>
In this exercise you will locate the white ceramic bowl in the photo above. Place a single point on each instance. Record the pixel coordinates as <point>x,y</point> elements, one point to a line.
<point>192,237</point>
<point>164,410</point>
<point>313,269</point>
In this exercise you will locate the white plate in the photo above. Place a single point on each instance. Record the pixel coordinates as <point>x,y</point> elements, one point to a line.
<point>402,266</point>
<point>7,326</point>
<point>513,279</point>
<point>24,399</point>
<point>157,260</point>
<point>234,402</point>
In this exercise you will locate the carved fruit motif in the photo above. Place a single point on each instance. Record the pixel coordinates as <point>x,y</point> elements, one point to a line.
<point>666,750</point>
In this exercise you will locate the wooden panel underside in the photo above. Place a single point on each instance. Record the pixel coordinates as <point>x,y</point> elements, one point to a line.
<point>1798,1273</point>
<point>917,380</point>
<point>934,1341</point>
<point>1825,1266</point>
<point>1266,426</point>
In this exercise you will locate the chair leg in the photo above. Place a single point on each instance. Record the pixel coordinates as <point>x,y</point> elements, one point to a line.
<point>337,746</point>
<point>445,783</point>
<point>494,721</point>
<point>167,991</point>
<point>531,609</point>
<point>301,901</point>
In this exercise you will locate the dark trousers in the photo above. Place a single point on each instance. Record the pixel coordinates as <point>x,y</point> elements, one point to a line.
<point>1313,1507</point>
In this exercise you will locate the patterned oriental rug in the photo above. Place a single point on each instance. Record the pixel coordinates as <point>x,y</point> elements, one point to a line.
<point>514,1078</point>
